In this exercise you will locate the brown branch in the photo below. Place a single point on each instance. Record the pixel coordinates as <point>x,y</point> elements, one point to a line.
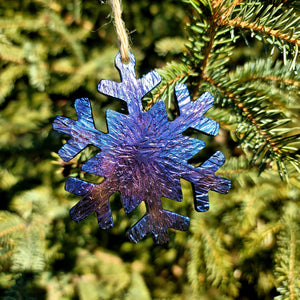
<point>217,15</point>
<point>224,172</point>
<point>244,109</point>
<point>291,274</point>
<point>16,60</point>
<point>211,32</point>
<point>273,78</point>
<point>5,257</point>
<point>66,70</point>
<point>225,125</point>
<point>207,50</point>
<point>237,22</point>
<point>12,229</point>
<point>24,24</point>
<point>216,4</point>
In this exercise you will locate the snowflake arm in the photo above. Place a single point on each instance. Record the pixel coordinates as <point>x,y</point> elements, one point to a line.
<point>130,89</point>
<point>82,131</point>
<point>191,112</point>
<point>158,230</point>
<point>203,180</point>
<point>95,199</point>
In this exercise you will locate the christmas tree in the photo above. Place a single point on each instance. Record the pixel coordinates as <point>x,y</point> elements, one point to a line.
<point>245,53</point>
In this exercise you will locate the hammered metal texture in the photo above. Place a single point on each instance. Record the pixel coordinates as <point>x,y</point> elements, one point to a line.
<point>143,155</point>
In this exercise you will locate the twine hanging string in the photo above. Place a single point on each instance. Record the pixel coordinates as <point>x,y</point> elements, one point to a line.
<point>120,29</point>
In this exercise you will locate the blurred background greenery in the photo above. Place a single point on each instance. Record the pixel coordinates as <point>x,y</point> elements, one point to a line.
<point>247,245</point>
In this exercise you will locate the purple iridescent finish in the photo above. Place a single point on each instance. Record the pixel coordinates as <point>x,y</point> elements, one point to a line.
<point>143,155</point>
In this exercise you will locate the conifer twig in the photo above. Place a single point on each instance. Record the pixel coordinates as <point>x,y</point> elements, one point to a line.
<point>286,81</point>
<point>244,109</point>
<point>291,265</point>
<point>237,22</point>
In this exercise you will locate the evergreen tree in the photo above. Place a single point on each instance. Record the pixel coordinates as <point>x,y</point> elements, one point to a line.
<point>245,53</point>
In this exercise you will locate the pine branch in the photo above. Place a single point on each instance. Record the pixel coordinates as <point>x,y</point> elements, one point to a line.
<point>26,229</point>
<point>57,25</point>
<point>195,270</point>
<point>261,238</point>
<point>209,48</point>
<point>138,288</point>
<point>218,262</point>
<point>264,125</point>
<point>287,268</point>
<point>19,21</point>
<point>8,77</point>
<point>237,22</point>
<point>235,167</point>
<point>64,65</point>
<point>10,223</point>
<point>174,45</point>
<point>278,24</point>
<point>29,252</point>
<point>12,54</point>
<point>79,75</point>
<point>271,145</point>
<point>266,70</point>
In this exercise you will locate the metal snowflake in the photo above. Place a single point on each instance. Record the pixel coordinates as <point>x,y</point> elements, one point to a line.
<point>143,155</point>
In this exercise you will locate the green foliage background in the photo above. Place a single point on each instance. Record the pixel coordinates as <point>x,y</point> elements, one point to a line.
<point>246,54</point>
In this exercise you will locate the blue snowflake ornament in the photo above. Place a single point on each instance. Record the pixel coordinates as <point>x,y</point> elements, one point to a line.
<point>143,155</point>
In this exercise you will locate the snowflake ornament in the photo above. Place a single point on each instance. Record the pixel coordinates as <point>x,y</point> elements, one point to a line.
<point>143,155</point>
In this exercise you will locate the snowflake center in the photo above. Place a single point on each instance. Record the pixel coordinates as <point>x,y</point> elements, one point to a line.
<point>140,153</point>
